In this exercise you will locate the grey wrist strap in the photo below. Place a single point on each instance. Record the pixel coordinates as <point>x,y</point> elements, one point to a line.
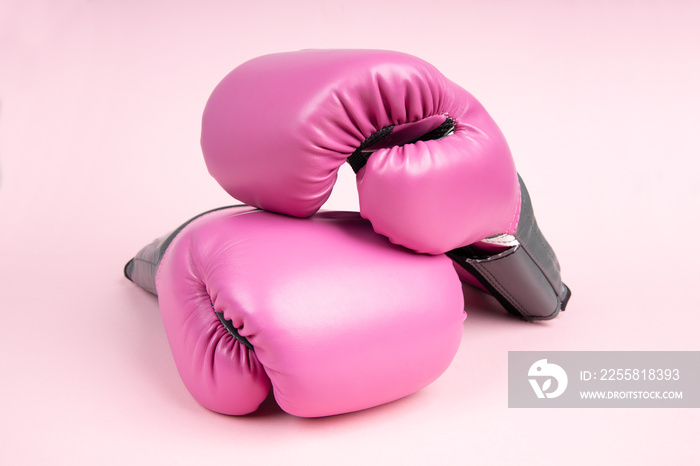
<point>525,278</point>
<point>143,267</point>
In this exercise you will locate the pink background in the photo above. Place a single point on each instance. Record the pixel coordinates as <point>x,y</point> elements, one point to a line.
<point>100,104</point>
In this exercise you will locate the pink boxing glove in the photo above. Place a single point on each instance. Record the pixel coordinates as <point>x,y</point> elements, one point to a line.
<point>434,171</point>
<point>329,314</point>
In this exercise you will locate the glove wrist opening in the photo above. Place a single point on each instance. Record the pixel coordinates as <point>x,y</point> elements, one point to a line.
<point>427,129</point>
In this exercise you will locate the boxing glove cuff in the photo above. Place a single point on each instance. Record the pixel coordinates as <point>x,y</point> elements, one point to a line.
<point>525,278</point>
<point>143,267</point>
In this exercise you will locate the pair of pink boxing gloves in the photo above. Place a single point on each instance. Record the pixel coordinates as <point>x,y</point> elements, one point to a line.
<point>342,311</point>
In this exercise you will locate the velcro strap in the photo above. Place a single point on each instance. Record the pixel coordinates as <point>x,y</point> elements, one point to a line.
<point>526,277</point>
